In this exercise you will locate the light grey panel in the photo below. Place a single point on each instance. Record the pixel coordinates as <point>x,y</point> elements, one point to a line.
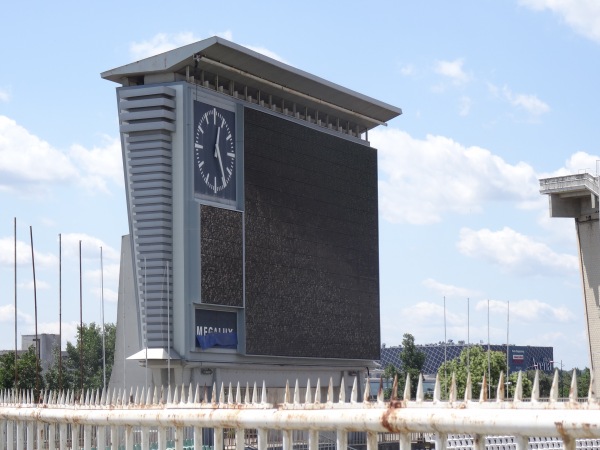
<point>147,118</point>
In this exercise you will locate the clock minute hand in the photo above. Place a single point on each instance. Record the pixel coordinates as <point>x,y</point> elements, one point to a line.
<point>218,156</point>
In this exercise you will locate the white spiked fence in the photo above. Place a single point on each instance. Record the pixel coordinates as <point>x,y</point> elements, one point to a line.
<point>200,418</point>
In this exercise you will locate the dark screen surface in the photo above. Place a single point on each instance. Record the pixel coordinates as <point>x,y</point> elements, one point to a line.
<point>221,256</point>
<point>312,262</point>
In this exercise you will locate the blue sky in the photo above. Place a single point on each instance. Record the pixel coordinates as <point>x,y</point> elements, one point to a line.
<point>495,94</point>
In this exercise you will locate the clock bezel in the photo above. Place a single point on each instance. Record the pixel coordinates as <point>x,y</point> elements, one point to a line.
<point>201,190</point>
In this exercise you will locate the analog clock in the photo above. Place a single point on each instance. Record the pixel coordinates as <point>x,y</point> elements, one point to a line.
<point>214,151</point>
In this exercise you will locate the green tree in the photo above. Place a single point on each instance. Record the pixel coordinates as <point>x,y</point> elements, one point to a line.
<point>26,371</point>
<point>583,382</point>
<point>526,382</point>
<point>412,361</point>
<point>91,366</point>
<point>478,366</point>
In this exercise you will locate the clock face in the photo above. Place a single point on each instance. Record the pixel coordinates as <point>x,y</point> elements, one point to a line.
<point>214,151</point>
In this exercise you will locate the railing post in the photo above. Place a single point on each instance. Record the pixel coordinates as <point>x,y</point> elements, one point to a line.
<point>101,437</point>
<point>239,439</point>
<point>52,436</point>
<point>197,438</point>
<point>75,436</point>
<point>261,434</point>
<point>128,438</point>
<point>522,442</point>
<point>87,437</point>
<point>39,435</point>
<point>114,438</point>
<point>288,443</point>
<point>405,441</point>
<point>29,429</point>
<point>341,441</point>
<point>162,438</point>
<point>218,438</point>
<point>19,431</point>
<point>478,442</point>
<point>10,444</point>
<point>441,441</point>
<point>372,441</point>
<point>178,438</point>
<point>145,433</point>
<point>568,443</point>
<point>2,434</point>
<point>62,436</point>
<point>313,440</point>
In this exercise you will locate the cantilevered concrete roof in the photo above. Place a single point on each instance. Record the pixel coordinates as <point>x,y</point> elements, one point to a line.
<point>245,66</point>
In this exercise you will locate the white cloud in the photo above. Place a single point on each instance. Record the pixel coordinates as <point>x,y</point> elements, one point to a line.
<point>99,164</point>
<point>407,70</point>
<point>576,163</point>
<point>527,102</point>
<point>7,314</point>
<point>4,96</point>
<point>453,70</point>
<point>581,15</point>
<point>420,180</point>
<point>90,247</point>
<point>68,331</point>
<point>160,43</point>
<point>528,311</point>
<point>40,163</point>
<point>514,252</point>
<point>7,252</point>
<point>448,290</point>
<point>163,42</point>
<point>39,285</point>
<point>110,276</point>
<point>464,107</point>
<point>426,312</point>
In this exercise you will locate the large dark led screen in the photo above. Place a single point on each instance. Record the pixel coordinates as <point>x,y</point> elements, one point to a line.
<point>311,240</point>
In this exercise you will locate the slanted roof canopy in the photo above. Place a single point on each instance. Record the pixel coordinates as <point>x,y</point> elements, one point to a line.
<point>246,74</point>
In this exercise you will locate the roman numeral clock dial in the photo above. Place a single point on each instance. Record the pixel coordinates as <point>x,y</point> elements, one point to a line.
<point>214,151</point>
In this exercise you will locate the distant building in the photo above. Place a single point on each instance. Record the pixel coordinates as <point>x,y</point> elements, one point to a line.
<point>47,344</point>
<point>520,357</point>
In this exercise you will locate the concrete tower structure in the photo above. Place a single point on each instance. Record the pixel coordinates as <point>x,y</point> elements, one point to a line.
<point>577,196</point>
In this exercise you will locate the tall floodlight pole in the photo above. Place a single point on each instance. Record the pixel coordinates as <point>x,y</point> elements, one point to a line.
<point>37,342</point>
<point>445,353</point>
<point>168,326</point>
<point>507,344</point>
<point>489,355</point>
<point>145,324</point>
<point>80,324</point>
<point>103,329</point>
<point>59,312</point>
<point>468,336</point>
<point>15,287</point>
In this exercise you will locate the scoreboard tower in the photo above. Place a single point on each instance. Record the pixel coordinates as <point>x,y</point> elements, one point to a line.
<point>253,220</point>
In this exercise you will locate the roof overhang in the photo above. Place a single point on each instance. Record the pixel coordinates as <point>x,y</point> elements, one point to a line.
<point>245,66</point>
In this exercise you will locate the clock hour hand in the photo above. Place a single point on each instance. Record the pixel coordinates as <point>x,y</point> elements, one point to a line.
<point>218,156</point>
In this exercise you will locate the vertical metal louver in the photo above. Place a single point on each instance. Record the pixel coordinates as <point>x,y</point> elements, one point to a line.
<point>147,121</point>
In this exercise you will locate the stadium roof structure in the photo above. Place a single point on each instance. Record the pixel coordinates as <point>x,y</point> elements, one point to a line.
<point>521,357</point>
<point>243,73</point>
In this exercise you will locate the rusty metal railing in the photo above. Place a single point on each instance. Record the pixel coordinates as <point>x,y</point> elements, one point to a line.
<point>207,419</point>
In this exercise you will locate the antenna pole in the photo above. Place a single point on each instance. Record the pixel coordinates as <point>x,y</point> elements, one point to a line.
<point>37,342</point>
<point>103,330</point>
<point>59,312</point>
<point>16,357</point>
<point>80,325</point>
